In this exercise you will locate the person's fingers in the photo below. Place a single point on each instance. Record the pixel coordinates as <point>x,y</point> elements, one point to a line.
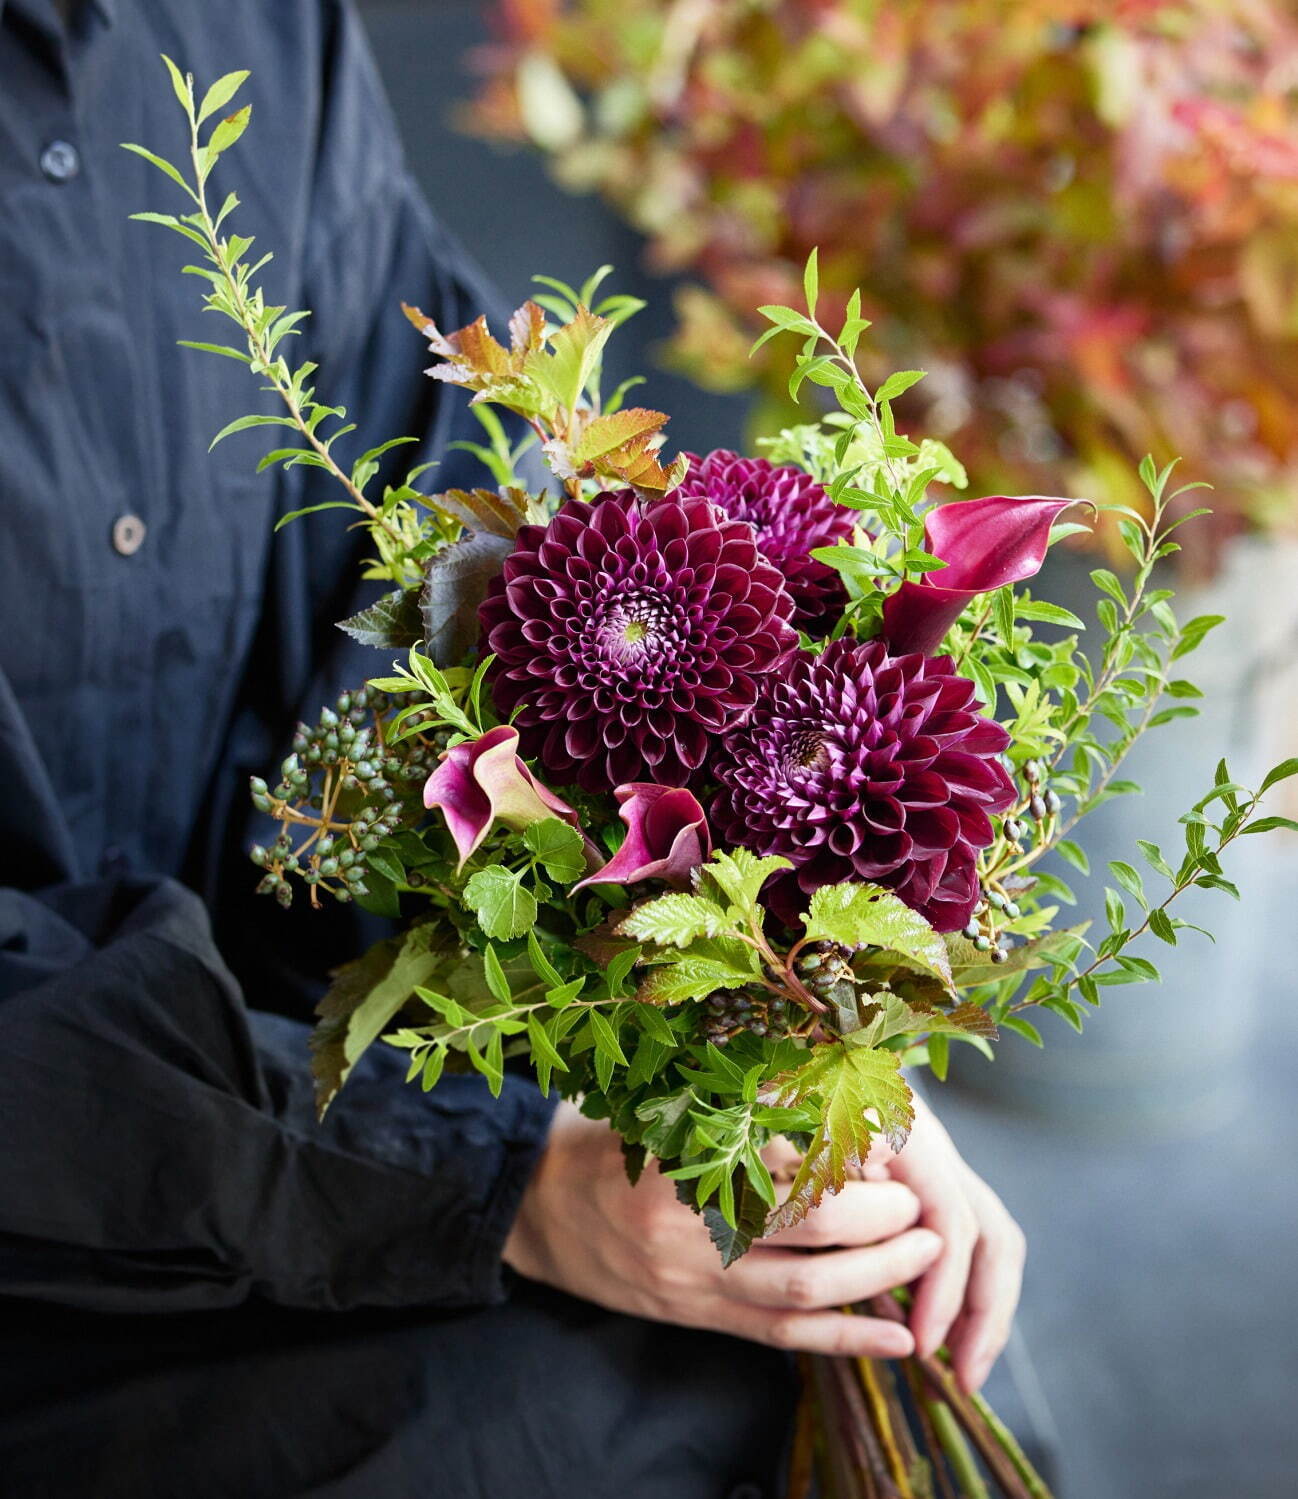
<point>838,1333</point>
<point>862,1213</point>
<point>992,1295</point>
<point>940,1293</point>
<point>799,1281</point>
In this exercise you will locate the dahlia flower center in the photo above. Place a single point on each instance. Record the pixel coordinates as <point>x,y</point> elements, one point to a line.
<point>635,624</point>
<point>806,751</point>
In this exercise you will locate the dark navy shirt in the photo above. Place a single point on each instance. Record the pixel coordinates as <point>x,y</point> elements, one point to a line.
<point>202,1293</point>
<point>159,642</point>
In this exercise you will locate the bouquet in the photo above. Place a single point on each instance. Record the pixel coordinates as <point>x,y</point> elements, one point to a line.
<point>717,791</point>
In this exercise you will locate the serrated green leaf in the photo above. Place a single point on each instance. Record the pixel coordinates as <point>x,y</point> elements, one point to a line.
<point>867,915</point>
<point>393,622</point>
<point>504,907</point>
<point>846,1084</point>
<point>690,977</point>
<point>557,847</point>
<point>740,876</point>
<point>675,920</point>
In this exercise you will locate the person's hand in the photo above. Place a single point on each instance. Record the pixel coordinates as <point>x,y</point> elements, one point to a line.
<point>584,1229</point>
<point>967,1298</point>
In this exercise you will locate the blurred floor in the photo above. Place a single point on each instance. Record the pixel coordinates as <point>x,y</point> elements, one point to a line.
<point>1161,1307</point>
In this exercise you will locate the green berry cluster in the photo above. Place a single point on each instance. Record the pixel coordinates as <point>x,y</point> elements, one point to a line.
<point>342,790</point>
<point>752,1008</point>
<point>1038,804</point>
<point>825,968</point>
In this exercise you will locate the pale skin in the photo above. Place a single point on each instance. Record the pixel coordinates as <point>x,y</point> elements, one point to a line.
<point>920,1218</point>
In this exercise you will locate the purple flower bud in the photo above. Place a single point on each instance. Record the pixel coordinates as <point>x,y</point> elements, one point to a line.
<point>985,544</point>
<point>483,781</point>
<point>667,837</point>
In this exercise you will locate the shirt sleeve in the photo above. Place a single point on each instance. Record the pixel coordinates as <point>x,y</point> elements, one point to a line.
<point>160,1149</point>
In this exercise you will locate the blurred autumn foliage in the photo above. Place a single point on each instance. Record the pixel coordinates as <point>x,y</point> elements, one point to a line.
<point>1081,218</point>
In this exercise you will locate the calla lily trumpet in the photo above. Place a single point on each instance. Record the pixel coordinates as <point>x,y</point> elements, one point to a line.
<point>667,837</point>
<point>985,544</point>
<point>484,781</point>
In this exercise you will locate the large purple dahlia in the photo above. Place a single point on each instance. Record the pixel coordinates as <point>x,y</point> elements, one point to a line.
<point>629,633</point>
<point>859,765</point>
<point>790,513</point>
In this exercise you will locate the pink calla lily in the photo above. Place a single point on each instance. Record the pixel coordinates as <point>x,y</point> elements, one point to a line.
<point>484,781</point>
<point>667,837</point>
<point>986,544</point>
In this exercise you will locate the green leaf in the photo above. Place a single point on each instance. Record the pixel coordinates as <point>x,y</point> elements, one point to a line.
<point>674,920</point>
<point>1154,858</point>
<point>494,974</point>
<point>1160,923</point>
<point>1073,854</point>
<point>1047,614</point>
<point>162,165</point>
<point>939,1055</point>
<point>1129,879</point>
<point>740,875</point>
<point>224,350</point>
<point>606,1041</point>
<point>393,622</point>
<point>867,915</point>
<point>363,999</point>
<point>243,423</point>
<point>220,94</point>
<point>654,1023</point>
<point>504,907</point>
<point>1023,1028</point>
<point>557,847</point>
<point>544,1052</point>
<point>733,1234</point>
<point>811,280</point>
<point>541,965</point>
<point>847,1084</point>
<point>619,966</point>
<point>667,1121</point>
<point>689,977</point>
<point>1269,825</point>
<point>1193,633</point>
<point>1281,772</point>
<point>898,383</point>
<point>228,131</point>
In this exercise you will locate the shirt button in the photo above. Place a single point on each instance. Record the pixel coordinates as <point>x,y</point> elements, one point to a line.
<point>128,535</point>
<point>60,161</point>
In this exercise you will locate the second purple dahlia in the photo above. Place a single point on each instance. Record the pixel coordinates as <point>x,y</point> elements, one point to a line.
<point>857,765</point>
<point>790,514</point>
<point>629,633</point>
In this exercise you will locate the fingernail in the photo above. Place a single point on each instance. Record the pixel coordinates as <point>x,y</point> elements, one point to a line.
<point>897,1342</point>
<point>927,1243</point>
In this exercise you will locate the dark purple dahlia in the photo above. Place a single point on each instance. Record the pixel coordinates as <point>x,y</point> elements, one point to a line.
<point>791,514</point>
<point>859,765</point>
<point>630,633</point>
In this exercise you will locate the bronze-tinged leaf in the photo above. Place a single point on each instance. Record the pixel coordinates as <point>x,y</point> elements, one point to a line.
<point>636,464</point>
<point>497,512</point>
<point>605,434</point>
<point>527,329</point>
<point>454,585</point>
<point>603,944</point>
<point>846,1083</point>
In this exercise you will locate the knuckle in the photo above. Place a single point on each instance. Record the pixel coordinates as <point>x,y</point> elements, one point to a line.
<point>803,1287</point>
<point>782,1332</point>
